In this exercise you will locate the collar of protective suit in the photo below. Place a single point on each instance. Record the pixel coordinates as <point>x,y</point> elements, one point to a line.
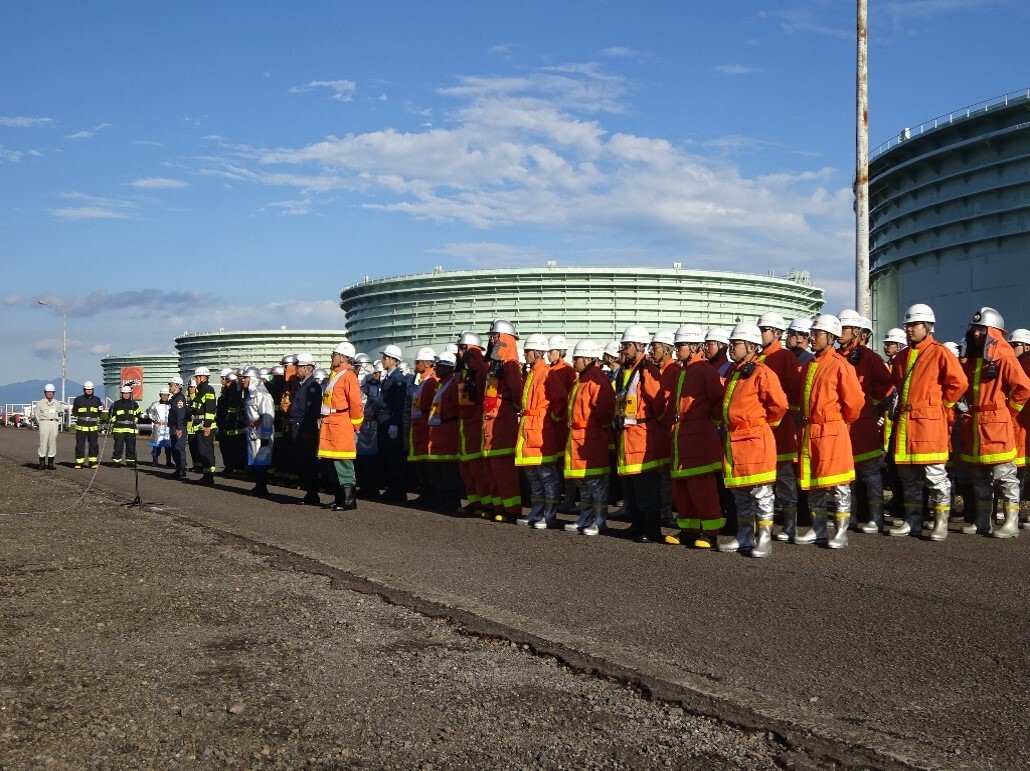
<point>506,348</point>
<point>1000,348</point>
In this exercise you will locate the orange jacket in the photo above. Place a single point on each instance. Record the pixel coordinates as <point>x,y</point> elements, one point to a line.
<point>1021,434</point>
<point>342,414</point>
<point>875,379</point>
<point>693,411</point>
<point>642,445</point>
<point>444,439</point>
<point>470,404</point>
<point>590,414</point>
<point>544,403</point>
<point>788,370</point>
<point>502,388</point>
<point>831,398</point>
<point>998,389</point>
<point>929,380</point>
<point>753,402</point>
<point>421,402</point>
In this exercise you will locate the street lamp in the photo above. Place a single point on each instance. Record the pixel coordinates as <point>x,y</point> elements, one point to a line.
<point>64,343</point>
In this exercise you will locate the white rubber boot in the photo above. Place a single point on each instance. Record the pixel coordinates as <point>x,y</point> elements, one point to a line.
<point>816,533</point>
<point>840,537</point>
<point>912,524</point>
<point>875,523</point>
<point>745,540</point>
<point>941,515</point>
<point>1010,529</point>
<point>763,547</point>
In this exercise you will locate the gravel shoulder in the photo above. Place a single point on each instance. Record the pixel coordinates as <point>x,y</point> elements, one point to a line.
<point>135,639</point>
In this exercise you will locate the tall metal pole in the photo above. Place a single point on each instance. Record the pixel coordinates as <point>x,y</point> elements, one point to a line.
<point>862,293</point>
<point>64,343</point>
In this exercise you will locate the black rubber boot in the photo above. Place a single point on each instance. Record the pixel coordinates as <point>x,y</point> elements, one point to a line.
<point>42,464</point>
<point>50,463</point>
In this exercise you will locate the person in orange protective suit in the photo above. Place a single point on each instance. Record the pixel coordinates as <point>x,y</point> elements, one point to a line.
<point>342,415</point>
<point>638,445</point>
<point>421,394</point>
<point>998,390</point>
<point>788,369</point>
<point>831,398</point>
<point>500,394</point>
<point>753,404</point>
<point>590,413</point>
<point>692,408</point>
<point>471,376</point>
<point>928,381</point>
<point>539,447</point>
<point>1019,339</point>
<point>444,442</point>
<point>557,348</point>
<point>866,434</point>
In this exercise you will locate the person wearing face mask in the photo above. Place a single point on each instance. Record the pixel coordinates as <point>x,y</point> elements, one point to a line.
<point>998,390</point>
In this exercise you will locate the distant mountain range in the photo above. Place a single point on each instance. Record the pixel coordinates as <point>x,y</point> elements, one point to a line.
<point>32,390</point>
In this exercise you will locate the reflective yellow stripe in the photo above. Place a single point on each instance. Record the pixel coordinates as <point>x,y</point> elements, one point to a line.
<point>830,481</point>
<point>868,456</point>
<point>697,470</point>
<point>337,454</point>
<point>765,477</point>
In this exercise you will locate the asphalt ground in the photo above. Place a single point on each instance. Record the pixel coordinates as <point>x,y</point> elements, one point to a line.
<point>892,652</point>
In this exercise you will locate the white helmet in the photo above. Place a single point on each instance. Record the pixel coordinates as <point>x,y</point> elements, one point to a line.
<point>201,372</point>
<point>305,360</point>
<point>827,323</point>
<point>126,389</point>
<point>953,347</point>
<point>470,338</point>
<point>49,387</point>
<point>320,375</point>
<point>867,324</point>
<point>895,335</point>
<point>425,354</point>
<point>393,352</point>
<point>772,320</point>
<point>192,383</point>
<point>175,381</point>
<point>346,349</point>
<point>988,317</point>
<point>451,348</point>
<point>288,359</point>
<point>557,343</point>
<point>232,377</point>
<point>1016,336</point>
<point>800,324</point>
<point>718,334</point>
<point>503,327</point>
<point>749,333</point>
<point>224,372</point>
<point>612,349</point>
<point>636,334</point>
<point>87,384</point>
<point>849,318</point>
<point>920,312</point>
<point>664,336</point>
<point>360,358</point>
<point>378,367</point>
<point>447,359</point>
<point>278,369</point>
<point>587,349</point>
<point>165,392</point>
<point>536,342</point>
<point>264,372</point>
<point>689,333</point>
<point>252,372</point>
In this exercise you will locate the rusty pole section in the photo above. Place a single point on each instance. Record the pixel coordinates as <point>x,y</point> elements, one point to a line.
<point>862,295</point>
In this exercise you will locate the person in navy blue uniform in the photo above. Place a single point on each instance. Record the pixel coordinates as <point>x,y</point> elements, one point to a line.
<point>305,410</point>
<point>177,412</point>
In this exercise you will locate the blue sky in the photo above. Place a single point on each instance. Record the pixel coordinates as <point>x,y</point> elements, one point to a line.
<point>197,165</point>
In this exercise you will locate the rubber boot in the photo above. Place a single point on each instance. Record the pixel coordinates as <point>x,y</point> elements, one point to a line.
<point>260,490</point>
<point>50,463</point>
<point>1010,529</point>
<point>816,533</point>
<point>790,524</point>
<point>912,524</point>
<point>763,545</point>
<point>875,523</point>
<point>42,463</point>
<point>350,502</point>
<point>550,514</point>
<point>600,512</point>
<point>981,524</point>
<point>536,511</point>
<point>745,539</point>
<point>840,537</point>
<point>941,515</point>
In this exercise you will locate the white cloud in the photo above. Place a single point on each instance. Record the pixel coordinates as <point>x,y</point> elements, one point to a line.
<point>21,122</point>
<point>157,183</point>
<point>736,69</point>
<point>10,156</point>
<point>101,349</point>
<point>88,134</point>
<point>298,207</point>
<point>95,207</point>
<point>341,90</point>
